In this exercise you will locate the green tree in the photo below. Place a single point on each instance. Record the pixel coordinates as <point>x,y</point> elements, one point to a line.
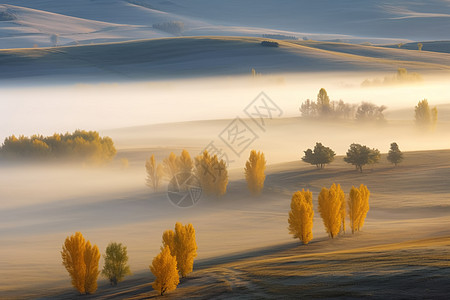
<point>360,156</point>
<point>395,156</point>
<point>116,263</point>
<point>320,156</point>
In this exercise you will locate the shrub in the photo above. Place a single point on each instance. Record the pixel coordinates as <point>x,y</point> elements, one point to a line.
<point>81,259</point>
<point>116,259</point>
<point>254,172</point>
<point>301,216</point>
<point>164,268</point>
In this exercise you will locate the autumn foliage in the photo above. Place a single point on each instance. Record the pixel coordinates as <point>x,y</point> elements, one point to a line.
<point>254,172</point>
<point>330,209</point>
<point>164,267</point>
<point>81,261</point>
<point>301,216</point>
<point>212,173</point>
<point>182,245</point>
<point>358,206</point>
<point>154,173</point>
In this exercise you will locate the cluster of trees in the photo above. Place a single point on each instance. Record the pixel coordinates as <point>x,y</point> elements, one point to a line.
<point>81,145</point>
<point>324,108</point>
<point>81,260</point>
<point>425,116</point>
<point>173,27</point>
<point>333,209</point>
<point>269,44</point>
<point>177,255</point>
<point>357,155</point>
<point>402,76</point>
<point>211,172</point>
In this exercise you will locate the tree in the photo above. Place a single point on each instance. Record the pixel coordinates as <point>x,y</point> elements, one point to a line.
<point>425,117</point>
<point>81,259</point>
<point>185,162</point>
<point>164,267</point>
<point>116,263</point>
<point>301,216</point>
<point>323,102</point>
<point>370,112</point>
<point>320,156</point>
<point>358,206</point>
<point>212,174</point>
<point>419,46</point>
<point>171,166</point>
<point>395,156</point>
<point>154,173</point>
<point>330,209</point>
<point>182,245</point>
<point>254,172</point>
<point>360,156</point>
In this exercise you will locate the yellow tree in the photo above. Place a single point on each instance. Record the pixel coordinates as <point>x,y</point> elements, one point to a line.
<point>73,259</point>
<point>91,259</point>
<point>171,166</point>
<point>154,173</point>
<point>330,209</point>
<point>301,216</point>
<point>164,267</point>
<point>358,206</point>
<point>185,162</point>
<point>81,261</point>
<point>182,245</point>
<point>254,172</point>
<point>212,174</point>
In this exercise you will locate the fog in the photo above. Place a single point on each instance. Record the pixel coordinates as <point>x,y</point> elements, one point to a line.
<point>47,109</point>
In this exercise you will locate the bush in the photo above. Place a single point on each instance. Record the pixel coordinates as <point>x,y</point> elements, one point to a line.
<point>269,44</point>
<point>116,259</point>
<point>301,216</point>
<point>85,146</point>
<point>81,261</point>
<point>254,172</point>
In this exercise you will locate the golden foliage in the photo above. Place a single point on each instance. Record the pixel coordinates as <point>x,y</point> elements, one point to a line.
<point>358,206</point>
<point>164,267</point>
<point>212,174</point>
<point>185,162</point>
<point>170,166</point>
<point>330,208</point>
<point>182,245</point>
<point>301,216</point>
<point>254,172</point>
<point>154,173</point>
<point>81,261</point>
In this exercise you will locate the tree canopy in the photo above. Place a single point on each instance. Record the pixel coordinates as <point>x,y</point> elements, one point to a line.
<point>359,156</point>
<point>395,156</point>
<point>320,156</point>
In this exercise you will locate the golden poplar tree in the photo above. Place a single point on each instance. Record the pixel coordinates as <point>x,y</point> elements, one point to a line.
<point>91,259</point>
<point>301,216</point>
<point>212,174</point>
<point>182,245</point>
<point>171,166</point>
<point>164,267</point>
<point>185,162</point>
<point>358,206</point>
<point>81,261</point>
<point>73,259</point>
<point>154,173</point>
<point>254,172</point>
<point>330,209</point>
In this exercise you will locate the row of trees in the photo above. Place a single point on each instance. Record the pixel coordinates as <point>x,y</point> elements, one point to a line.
<point>324,108</point>
<point>357,155</point>
<point>211,172</point>
<point>425,116</point>
<point>81,145</point>
<point>178,250</point>
<point>333,209</point>
<point>81,260</point>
